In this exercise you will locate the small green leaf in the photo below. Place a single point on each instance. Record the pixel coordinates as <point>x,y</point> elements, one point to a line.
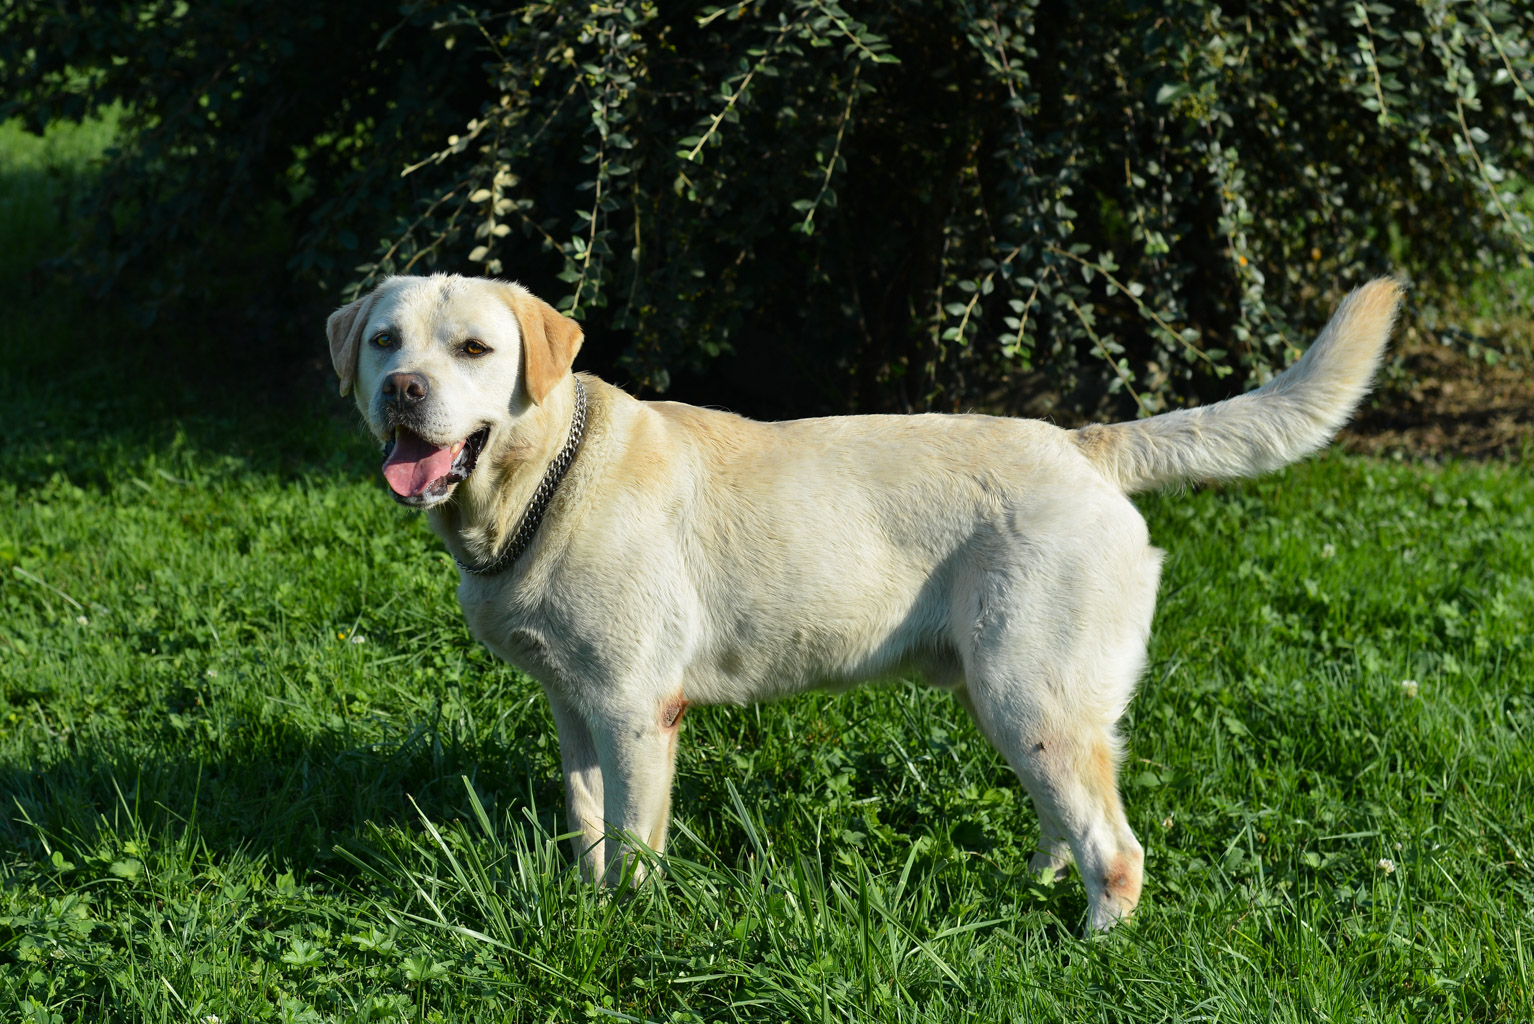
<point>128,867</point>
<point>1172,92</point>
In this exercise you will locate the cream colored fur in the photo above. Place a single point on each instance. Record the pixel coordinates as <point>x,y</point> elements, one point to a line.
<point>693,556</point>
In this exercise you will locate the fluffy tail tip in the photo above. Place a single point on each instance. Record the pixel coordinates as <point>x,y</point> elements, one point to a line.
<point>1350,348</point>
<point>1380,299</point>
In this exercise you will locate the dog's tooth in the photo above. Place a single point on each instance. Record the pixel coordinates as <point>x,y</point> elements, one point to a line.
<point>457,447</point>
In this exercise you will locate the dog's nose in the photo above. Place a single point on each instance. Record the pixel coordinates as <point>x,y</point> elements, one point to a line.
<point>405,388</point>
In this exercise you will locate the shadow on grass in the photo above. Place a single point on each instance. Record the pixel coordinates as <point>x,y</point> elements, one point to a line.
<point>279,794</point>
<point>290,798</point>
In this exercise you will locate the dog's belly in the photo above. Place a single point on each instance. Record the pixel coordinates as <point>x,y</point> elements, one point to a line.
<point>742,663</point>
<point>748,663</point>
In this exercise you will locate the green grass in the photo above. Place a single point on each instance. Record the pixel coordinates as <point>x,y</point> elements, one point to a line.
<point>216,801</point>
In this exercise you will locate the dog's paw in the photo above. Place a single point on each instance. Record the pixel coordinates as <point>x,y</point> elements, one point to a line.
<point>1051,862</point>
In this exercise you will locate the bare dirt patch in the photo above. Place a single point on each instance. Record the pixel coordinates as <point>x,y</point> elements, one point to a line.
<point>1440,402</point>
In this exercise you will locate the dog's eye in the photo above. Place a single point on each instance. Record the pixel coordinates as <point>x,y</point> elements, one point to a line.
<point>383,339</point>
<point>473,347</point>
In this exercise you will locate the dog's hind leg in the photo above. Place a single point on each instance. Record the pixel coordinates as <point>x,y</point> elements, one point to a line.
<point>1074,774</point>
<point>1051,859</point>
<point>1070,771</point>
<point>1049,670</point>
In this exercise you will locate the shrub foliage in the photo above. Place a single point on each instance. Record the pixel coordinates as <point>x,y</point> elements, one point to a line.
<point>894,205</point>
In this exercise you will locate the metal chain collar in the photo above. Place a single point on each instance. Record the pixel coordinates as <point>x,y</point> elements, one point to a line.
<point>532,516</point>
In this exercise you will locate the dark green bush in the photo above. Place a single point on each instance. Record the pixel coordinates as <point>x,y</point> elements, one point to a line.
<point>882,205</point>
<point>242,119</point>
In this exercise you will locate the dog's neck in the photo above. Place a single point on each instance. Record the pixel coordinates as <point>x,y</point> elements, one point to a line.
<point>487,507</point>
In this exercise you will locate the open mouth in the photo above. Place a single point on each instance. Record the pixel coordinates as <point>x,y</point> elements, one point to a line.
<point>421,473</point>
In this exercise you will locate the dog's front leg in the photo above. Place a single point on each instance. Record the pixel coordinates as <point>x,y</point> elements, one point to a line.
<point>583,787</point>
<point>638,761</point>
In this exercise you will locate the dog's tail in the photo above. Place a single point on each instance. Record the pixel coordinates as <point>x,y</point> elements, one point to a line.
<point>1286,419</point>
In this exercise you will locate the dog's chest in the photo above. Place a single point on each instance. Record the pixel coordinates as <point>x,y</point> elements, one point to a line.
<point>517,635</point>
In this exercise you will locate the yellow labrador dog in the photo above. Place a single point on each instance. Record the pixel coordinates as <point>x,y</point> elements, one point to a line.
<point>637,557</point>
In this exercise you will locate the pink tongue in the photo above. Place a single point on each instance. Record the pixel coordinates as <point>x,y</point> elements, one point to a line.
<point>414,464</point>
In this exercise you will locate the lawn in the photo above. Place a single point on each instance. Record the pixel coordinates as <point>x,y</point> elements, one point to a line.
<point>252,766</point>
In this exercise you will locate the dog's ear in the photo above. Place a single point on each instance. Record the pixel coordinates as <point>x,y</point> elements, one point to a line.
<point>344,327</point>
<point>550,341</point>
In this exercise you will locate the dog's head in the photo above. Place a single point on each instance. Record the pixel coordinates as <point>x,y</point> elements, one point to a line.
<point>444,367</point>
